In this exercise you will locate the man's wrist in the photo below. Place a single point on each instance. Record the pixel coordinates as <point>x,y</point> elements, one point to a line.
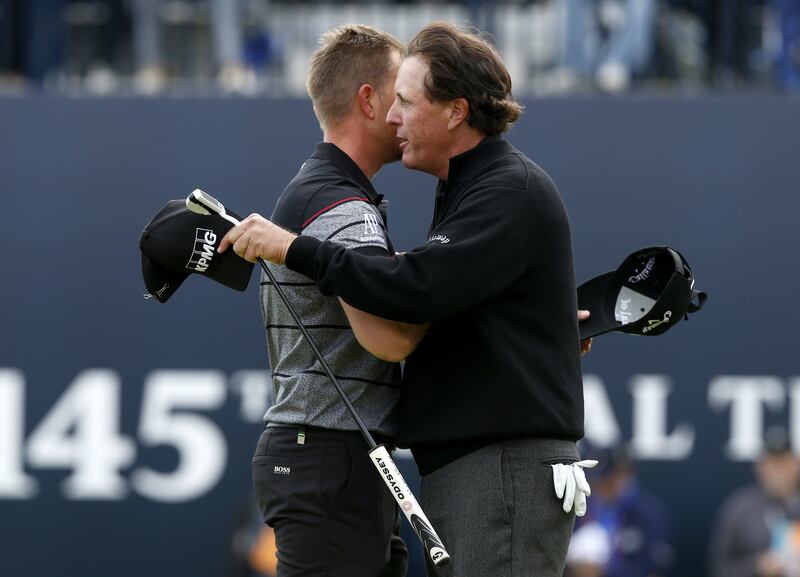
<point>300,255</point>
<point>290,238</point>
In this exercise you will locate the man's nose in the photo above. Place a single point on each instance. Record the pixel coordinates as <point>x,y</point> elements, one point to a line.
<point>393,117</point>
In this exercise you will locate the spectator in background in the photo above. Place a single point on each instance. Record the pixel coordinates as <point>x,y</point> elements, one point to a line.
<point>757,531</point>
<point>788,66</point>
<point>626,531</point>
<point>720,40</point>
<point>98,52</point>
<point>732,42</point>
<point>31,38</point>
<point>226,26</point>
<point>482,15</point>
<point>37,43</point>
<point>8,38</point>
<point>610,41</point>
<point>682,49</point>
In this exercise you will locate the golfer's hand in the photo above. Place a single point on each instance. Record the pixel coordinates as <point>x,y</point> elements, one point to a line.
<point>586,344</point>
<point>571,485</point>
<point>255,238</point>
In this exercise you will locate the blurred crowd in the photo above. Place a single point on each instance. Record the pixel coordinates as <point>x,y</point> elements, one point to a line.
<point>256,46</point>
<point>106,45</point>
<point>628,532</point>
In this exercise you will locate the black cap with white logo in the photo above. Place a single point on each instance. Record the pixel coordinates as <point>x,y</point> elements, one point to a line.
<point>178,242</point>
<point>649,293</point>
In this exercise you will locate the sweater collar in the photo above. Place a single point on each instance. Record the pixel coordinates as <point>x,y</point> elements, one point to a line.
<point>466,165</point>
<point>332,153</point>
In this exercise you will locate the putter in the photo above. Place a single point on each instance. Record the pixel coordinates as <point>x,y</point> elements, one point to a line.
<point>203,203</point>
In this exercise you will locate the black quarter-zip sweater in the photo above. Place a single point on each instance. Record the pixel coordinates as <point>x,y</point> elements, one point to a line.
<point>496,279</point>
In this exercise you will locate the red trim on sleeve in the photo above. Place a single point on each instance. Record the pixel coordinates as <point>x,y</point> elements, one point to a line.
<point>330,206</point>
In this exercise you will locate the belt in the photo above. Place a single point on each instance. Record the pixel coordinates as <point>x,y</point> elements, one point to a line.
<point>309,432</point>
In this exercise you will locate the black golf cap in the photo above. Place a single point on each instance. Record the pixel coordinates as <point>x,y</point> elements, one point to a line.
<point>647,295</point>
<point>178,242</point>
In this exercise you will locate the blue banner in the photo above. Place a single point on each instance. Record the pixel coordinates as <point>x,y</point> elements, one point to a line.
<point>127,426</point>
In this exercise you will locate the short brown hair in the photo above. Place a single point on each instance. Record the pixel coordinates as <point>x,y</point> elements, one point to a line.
<point>464,65</point>
<point>348,57</point>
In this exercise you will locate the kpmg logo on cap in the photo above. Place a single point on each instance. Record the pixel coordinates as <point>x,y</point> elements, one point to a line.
<point>204,242</point>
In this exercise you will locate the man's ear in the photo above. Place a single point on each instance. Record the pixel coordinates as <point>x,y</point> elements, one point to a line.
<point>459,112</point>
<point>366,97</point>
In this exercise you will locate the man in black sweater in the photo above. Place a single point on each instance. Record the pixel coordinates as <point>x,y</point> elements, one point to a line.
<point>492,401</point>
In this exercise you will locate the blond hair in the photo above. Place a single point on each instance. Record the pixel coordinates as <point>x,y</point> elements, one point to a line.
<point>348,57</point>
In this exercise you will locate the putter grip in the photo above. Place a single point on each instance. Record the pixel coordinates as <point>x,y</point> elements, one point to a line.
<point>211,204</point>
<point>408,504</point>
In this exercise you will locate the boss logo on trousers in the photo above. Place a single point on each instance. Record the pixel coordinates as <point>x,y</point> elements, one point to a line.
<point>278,470</point>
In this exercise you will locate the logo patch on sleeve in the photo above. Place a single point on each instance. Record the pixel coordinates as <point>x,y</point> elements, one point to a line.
<point>370,224</point>
<point>372,229</point>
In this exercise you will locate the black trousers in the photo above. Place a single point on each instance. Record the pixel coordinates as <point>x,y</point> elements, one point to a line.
<point>331,512</point>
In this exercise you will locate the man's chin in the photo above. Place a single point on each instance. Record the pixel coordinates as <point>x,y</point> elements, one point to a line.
<point>408,160</point>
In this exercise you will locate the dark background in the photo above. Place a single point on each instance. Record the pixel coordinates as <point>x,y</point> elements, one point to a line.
<point>716,178</point>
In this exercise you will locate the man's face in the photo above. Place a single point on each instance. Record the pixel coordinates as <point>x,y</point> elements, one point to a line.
<point>421,124</point>
<point>384,139</point>
<point>779,474</point>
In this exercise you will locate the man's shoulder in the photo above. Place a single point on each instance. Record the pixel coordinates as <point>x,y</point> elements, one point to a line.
<point>528,175</point>
<point>315,190</point>
<point>514,170</point>
<point>515,187</point>
<point>511,177</point>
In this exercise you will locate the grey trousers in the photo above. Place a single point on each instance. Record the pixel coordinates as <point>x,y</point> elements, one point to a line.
<point>497,512</point>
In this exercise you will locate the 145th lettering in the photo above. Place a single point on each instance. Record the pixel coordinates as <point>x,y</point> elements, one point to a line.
<point>81,433</point>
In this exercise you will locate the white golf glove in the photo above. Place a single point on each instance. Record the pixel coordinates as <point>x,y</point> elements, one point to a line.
<point>571,485</point>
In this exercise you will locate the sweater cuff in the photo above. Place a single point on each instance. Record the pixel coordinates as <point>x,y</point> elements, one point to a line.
<point>301,255</point>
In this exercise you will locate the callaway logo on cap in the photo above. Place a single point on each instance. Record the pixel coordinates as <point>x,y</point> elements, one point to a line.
<point>178,242</point>
<point>651,290</point>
